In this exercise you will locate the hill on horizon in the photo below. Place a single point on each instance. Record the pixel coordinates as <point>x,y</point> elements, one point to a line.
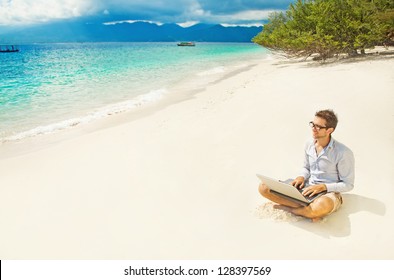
<point>138,31</point>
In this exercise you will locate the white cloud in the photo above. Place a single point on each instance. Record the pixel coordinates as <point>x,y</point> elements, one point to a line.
<point>252,24</point>
<point>35,11</point>
<point>188,23</point>
<point>244,18</point>
<point>132,21</point>
<point>195,9</point>
<point>24,12</point>
<point>253,14</point>
<point>196,13</point>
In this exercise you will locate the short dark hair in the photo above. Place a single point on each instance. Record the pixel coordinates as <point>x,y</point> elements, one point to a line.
<point>329,116</point>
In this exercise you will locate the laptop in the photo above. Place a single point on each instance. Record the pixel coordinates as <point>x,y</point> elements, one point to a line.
<point>286,190</point>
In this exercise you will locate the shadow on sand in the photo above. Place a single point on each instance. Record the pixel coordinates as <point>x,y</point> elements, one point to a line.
<point>338,223</point>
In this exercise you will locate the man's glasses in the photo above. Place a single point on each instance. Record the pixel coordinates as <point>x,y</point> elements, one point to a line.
<point>318,127</point>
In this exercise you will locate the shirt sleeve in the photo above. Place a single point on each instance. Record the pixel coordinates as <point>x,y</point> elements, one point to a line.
<point>306,170</point>
<point>346,174</point>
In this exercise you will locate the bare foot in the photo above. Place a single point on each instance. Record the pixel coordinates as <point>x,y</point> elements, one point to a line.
<point>282,207</point>
<point>295,211</point>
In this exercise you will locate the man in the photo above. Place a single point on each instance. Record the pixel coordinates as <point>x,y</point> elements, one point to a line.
<point>328,166</point>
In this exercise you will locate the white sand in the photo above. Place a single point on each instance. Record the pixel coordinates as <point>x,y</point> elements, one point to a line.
<point>181,184</point>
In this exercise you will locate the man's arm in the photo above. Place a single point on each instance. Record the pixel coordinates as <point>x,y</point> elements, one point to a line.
<point>306,169</point>
<point>346,173</point>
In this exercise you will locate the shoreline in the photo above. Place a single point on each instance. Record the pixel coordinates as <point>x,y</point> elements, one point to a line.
<point>103,117</point>
<point>183,90</point>
<point>179,183</point>
<point>92,94</point>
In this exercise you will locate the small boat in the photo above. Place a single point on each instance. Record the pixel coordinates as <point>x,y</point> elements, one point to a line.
<point>186,44</point>
<point>9,50</point>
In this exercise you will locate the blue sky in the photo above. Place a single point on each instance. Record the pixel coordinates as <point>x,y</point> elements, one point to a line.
<point>183,12</point>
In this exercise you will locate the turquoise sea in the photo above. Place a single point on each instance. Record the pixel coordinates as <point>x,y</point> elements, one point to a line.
<point>45,88</point>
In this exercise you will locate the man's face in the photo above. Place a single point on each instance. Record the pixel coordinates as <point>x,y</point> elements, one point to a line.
<point>320,130</point>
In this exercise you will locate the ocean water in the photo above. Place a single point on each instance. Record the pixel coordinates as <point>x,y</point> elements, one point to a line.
<point>50,87</point>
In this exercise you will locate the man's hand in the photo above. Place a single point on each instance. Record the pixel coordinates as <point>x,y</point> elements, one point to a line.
<point>313,190</point>
<point>299,182</point>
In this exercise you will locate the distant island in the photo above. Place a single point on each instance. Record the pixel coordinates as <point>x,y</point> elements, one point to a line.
<point>138,31</point>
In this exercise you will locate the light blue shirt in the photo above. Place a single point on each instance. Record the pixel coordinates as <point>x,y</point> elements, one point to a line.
<point>334,166</point>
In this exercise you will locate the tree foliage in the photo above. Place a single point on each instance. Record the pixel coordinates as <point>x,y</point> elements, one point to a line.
<point>329,27</point>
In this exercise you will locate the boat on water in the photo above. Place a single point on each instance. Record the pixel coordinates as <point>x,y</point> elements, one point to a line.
<point>186,44</point>
<point>9,49</point>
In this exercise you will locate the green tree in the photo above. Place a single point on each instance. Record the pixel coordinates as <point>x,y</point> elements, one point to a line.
<point>386,17</point>
<point>328,27</point>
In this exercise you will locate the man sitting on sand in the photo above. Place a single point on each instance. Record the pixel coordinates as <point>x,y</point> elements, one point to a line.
<point>328,166</point>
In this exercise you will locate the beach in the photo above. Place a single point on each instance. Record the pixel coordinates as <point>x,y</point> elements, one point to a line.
<point>178,180</point>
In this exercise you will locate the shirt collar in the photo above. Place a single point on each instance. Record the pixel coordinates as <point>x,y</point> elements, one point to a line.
<point>331,143</point>
<point>329,146</point>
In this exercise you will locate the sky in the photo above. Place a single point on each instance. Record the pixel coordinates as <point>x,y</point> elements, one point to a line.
<point>183,12</point>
